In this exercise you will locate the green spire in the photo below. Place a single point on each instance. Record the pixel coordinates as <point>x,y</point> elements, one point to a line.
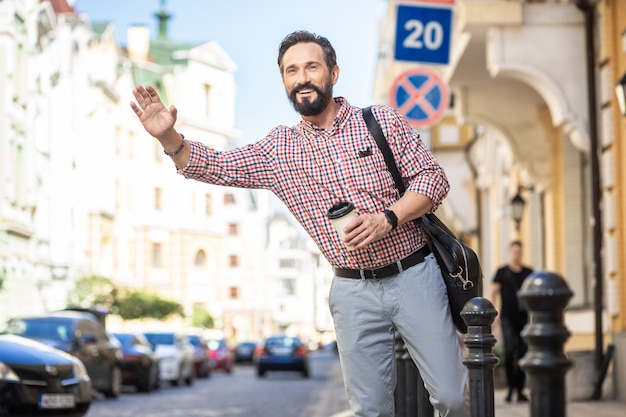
<point>163,17</point>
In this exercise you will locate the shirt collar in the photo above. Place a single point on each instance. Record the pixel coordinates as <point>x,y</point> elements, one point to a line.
<point>340,119</point>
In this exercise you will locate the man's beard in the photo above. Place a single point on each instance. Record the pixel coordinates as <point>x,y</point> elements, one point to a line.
<point>308,107</point>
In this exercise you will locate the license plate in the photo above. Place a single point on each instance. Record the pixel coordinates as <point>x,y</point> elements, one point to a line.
<point>281,351</point>
<point>57,401</point>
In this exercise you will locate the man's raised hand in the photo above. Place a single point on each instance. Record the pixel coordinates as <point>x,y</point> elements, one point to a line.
<point>155,118</point>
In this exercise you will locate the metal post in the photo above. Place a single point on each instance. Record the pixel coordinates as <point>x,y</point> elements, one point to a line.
<point>411,397</point>
<point>410,378</point>
<point>400,392</point>
<point>545,295</point>
<point>479,314</point>
<point>424,406</point>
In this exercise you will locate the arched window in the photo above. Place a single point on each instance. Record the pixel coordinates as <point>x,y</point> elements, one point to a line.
<point>201,258</point>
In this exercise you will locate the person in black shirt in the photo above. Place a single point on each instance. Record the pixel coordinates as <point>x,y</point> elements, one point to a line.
<point>506,283</point>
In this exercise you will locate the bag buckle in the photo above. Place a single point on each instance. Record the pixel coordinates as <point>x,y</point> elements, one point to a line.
<point>467,283</point>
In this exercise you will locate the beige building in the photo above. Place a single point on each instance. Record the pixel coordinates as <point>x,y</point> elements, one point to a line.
<point>85,191</point>
<point>533,104</point>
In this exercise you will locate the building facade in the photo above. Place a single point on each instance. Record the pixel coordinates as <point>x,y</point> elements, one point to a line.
<point>85,191</point>
<point>534,115</point>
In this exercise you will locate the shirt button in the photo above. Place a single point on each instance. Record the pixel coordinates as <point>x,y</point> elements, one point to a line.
<point>338,160</point>
<point>378,261</point>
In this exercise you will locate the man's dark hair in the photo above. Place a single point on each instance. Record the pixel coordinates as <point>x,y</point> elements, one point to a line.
<point>303,36</point>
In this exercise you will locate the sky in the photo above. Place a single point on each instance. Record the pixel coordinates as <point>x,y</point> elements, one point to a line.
<point>250,32</point>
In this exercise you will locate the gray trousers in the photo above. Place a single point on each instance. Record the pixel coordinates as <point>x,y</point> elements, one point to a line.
<point>366,314</point>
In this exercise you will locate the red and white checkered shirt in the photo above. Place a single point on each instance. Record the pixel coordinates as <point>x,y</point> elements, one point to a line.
<point>310,169</point>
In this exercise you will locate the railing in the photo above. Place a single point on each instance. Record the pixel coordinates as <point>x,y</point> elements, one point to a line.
<point>545,296</point>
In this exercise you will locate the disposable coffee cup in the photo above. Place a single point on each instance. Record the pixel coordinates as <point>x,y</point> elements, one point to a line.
<point>340,214</point>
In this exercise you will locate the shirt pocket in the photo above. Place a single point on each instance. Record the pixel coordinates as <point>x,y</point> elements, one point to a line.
<point>370,177</point>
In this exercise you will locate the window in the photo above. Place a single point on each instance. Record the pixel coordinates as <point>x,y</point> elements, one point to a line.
<point>287,263</point>
<point>233,229</point>
<point>289,286</point>
<point>207,100</point>
<point>118,140</point>
<point>233,261</point>
<point>200,258</point>
<point>157,255</point>
<point>233,293</point>
<point>208,205</point>
<point>158,199</point>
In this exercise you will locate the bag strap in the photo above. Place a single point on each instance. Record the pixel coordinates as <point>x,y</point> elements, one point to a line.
<point>381,141</point>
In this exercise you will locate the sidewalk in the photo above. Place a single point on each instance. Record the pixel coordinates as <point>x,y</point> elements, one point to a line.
<point>601,408</point>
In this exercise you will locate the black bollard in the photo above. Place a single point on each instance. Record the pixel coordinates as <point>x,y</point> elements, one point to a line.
<point>479,314</point>
<point>411,397</point>
<point>411,376</point>
<point>545,296</point>
<point>400,392</point>
<point>424,406</point>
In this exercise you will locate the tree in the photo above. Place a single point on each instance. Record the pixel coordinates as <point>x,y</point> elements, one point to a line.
<point>94,291</point>
<point>137,305</point>
<point>201,318</point>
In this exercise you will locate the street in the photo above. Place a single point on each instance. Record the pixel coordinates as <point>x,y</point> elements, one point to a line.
<point>241,393</point>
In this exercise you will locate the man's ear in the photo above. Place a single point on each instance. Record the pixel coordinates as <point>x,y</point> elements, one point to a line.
<point>334,74</point>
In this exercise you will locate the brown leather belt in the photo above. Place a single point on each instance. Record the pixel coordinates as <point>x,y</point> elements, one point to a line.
<point>387,270</point>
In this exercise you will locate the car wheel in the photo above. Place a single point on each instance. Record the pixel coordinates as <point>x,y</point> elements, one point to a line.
<point>115,383</point>
<point>190,378</point>
<point>179,378</point>
<point>147,384</point>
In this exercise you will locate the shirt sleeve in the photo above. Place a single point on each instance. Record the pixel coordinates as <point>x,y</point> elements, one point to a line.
<point>418,167</point>
<point>249,166</point>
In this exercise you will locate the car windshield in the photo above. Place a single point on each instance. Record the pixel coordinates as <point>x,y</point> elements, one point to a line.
<point>282,341</point>
<point>160,338</point>
<point>58,330</point>
<point>194,340</point>
<point>125,339</point>
<point>216,344</point>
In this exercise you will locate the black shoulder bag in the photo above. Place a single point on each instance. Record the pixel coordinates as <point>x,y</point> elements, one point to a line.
<point>458,263</point>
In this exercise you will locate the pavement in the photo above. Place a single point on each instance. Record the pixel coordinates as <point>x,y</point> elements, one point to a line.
<point>600,408</point>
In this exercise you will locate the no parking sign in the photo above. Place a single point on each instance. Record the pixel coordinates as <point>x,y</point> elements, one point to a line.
<point>420,95</point>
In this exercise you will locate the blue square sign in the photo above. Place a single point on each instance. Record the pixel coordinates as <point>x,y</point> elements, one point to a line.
<point>423,34</point>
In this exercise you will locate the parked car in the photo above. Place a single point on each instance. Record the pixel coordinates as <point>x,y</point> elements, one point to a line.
<point>36,379</point>
<point>140,364</point>
<point>201,361</point>
<point>82,335</point>
<point>222,357</point>
<point>175,357</point>
<point>282,353</point>
<point>244,352</point>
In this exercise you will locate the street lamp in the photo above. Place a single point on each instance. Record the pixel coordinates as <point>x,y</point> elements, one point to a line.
<point>620,92</point>
<point>517,207</point>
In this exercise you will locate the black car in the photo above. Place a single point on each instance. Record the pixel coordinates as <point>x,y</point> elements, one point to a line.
<point>140,365</point>
<point>36,379</point>
<point>82,335</point>
<point>282,353</point>
<point>244,352</point>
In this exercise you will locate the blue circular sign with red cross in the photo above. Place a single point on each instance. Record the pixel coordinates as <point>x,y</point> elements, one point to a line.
<point>420,95</point>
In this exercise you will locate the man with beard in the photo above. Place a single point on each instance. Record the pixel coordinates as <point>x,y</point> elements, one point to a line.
<point>389,281</point>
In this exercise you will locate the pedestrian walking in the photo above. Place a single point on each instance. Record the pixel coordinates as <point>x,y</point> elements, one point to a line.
<point>385,278</point>
<point>512,318</point>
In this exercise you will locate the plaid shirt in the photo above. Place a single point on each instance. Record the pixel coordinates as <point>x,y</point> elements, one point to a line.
<point>310,169</point>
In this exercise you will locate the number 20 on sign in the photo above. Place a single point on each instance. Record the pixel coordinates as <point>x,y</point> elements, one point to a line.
<point>423,34</point>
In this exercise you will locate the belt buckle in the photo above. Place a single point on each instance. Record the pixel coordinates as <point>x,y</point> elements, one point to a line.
<point>374,274</point>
